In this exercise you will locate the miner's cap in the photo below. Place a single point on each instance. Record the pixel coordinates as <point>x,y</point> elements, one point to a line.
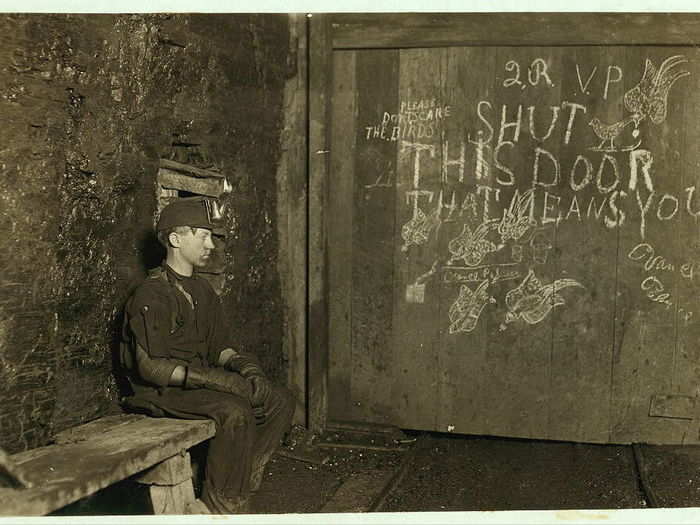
<point>190,211</point>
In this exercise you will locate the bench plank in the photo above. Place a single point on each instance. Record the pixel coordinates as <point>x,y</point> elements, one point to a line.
<point>98,426</point>
<point>10,476</point>
<point>66,472</point>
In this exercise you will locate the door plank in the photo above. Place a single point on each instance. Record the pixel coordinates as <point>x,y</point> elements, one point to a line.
<point>686,372</point>
<point>647,353</point>
<point>463,406</point>
<point>372,235</point>
<point>519,338</point>
<point>586,251</point>
<point>415,320</point>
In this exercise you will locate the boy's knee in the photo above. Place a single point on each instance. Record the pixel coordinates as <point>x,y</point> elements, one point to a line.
<point>235,414</point>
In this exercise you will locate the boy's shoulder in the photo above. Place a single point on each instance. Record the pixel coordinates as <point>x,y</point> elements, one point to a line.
<point>154,287</point>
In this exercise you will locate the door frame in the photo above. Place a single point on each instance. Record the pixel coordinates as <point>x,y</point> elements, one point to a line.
<point>330,32</point>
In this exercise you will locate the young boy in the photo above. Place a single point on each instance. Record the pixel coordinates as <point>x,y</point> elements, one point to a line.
<point>181,365</point>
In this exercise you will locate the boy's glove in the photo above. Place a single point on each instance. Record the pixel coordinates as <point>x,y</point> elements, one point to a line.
<point>246,365</point>
<point>262,389</point>
<point>249,367</point>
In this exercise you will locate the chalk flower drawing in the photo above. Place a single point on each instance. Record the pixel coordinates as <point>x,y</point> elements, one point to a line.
<point>516,220</point>
<point>472,246</point>
<point>466,310</point>
<point>417,230</point>
<point>648,99</point>
<point>532,301</point>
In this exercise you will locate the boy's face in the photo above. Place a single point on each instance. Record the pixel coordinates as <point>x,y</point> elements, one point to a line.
<point>195,247</point>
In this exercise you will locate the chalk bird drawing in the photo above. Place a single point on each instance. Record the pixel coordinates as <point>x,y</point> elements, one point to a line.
<point>532,301</point>
<point>472,246</point>
<point>466,310</point>
<point>649,98</point>
<point>516,221</point>
<point>417,230</point>
<point>608,132</point>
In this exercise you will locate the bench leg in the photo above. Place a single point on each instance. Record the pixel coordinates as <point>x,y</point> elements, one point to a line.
<point>170,486</point>
<point>175,499</point>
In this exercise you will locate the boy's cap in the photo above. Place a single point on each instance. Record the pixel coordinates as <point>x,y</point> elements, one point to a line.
<point>190,211</point>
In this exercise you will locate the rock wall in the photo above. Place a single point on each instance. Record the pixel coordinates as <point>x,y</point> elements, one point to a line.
<point>90,103</point>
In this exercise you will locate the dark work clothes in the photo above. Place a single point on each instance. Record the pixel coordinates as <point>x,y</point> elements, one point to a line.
<point>241,448</point>
<point>178,320</point>
<point>183,326</point>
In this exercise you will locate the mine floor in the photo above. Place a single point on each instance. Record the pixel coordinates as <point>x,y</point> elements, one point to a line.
<point>443,472</point>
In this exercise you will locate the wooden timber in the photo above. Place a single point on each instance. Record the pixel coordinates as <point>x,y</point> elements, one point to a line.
<point>405,30</point>
<point>192,170</point>
<point>319,74</point>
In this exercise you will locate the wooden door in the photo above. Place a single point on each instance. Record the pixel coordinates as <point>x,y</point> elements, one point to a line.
<point>513,240</point>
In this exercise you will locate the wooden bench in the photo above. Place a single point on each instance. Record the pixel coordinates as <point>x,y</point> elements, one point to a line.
<point>94,456</point>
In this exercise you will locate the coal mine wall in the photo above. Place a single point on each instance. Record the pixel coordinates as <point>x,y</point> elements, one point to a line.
<point>90,104</point>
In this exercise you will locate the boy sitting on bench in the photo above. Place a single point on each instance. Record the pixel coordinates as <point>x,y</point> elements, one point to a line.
<point>181,365</point>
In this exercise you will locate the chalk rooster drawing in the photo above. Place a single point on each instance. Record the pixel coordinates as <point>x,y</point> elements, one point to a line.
<point>472,246</point>
<point>532,301</point>
<point>466,310</point>
<point>647,100</point>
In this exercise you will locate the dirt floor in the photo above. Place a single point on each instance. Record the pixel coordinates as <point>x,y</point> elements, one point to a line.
<point>442,472</point>
<point>347,472</point>
<point>295,487</point>
<point>463,473</point>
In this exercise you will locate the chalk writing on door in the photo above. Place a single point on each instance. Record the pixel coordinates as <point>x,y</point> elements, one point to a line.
<point>537,72</point>
<point>521,171</point>
<point>415,120</point>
